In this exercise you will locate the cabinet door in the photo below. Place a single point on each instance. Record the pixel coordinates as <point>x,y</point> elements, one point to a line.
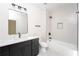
<point>4,51</point>
<point>35,47</point>
<point>21,49</point>
<point>26,50</point>
<point>0,51</point>
<point>15,50</point>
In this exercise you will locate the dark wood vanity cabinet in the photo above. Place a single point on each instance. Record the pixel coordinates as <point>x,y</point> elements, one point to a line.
<point>26,48</point>
<point>4,51</point>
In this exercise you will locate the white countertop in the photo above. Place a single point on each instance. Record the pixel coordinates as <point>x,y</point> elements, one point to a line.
<point>15,40</point>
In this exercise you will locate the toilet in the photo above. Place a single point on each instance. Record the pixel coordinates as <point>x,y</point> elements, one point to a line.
<point>43,45</point>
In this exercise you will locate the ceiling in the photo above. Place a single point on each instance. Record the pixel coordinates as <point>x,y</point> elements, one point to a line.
<point>54,6</point>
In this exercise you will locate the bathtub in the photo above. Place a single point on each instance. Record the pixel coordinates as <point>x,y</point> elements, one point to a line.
<point>59,48</point>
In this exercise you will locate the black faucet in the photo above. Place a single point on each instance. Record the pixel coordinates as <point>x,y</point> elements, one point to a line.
<point>19,35</point>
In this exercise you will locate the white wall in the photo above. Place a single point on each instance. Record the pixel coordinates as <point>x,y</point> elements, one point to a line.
<point>65,13</point>
<point>36,16</point>
<point>3,21</point>
<point>78,30</point>
<point>48,23</point>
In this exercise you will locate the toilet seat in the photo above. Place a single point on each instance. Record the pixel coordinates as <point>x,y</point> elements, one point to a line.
<point>43,44</point>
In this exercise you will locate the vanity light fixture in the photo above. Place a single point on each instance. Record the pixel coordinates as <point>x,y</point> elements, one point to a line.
<point>25,9</point>
<point>19,7</point>
<point>45,3</point>
<point>13,5</point>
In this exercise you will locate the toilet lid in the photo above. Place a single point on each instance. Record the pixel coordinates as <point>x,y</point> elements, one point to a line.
<point>43,44</point>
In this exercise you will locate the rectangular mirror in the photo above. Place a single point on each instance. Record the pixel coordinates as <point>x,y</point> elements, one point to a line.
<point>17,22</point>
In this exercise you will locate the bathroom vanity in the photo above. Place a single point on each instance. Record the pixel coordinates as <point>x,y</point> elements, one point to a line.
<point>28,47</point>
<point>18,46</point>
